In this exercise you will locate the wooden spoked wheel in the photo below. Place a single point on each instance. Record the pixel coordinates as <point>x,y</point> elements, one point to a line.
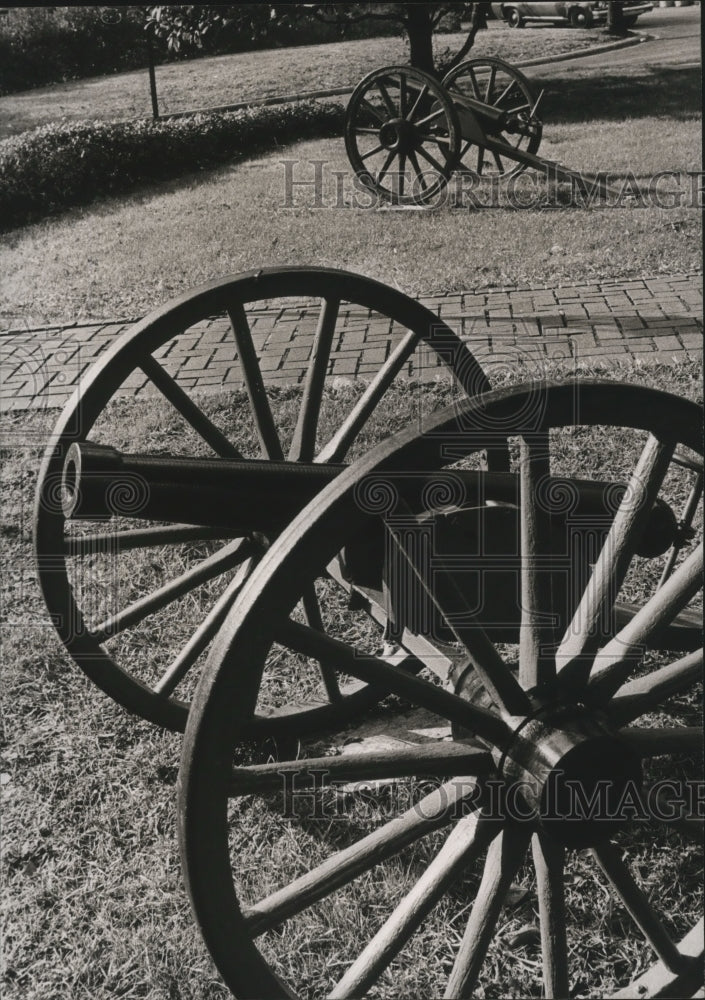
<point>402,135</point>
<point>581,708</point>
<point>137,603</point>
<point>503,88</point>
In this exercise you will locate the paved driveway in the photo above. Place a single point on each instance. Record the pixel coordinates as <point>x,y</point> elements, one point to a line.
<point>676,44</point>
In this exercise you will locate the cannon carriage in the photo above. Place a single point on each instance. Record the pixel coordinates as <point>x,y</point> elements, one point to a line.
<point>459,592</point>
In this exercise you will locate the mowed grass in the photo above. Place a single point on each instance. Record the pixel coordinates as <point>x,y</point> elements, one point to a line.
<point>219,80</point>
<point>94,899</point>
<point>126,256</point>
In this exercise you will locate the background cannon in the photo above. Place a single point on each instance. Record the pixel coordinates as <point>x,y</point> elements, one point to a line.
<point>406,133</point>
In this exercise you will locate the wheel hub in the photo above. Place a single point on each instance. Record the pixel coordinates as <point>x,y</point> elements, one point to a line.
<point>520,124</point>
<point>399,135</point>
<point>576,776</point>
<point>564,767</point>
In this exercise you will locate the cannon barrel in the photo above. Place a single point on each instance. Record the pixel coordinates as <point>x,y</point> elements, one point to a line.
<point>245,495</point>
<point>257,495</point>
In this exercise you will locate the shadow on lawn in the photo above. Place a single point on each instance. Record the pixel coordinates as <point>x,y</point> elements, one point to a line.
<point>674,93</point>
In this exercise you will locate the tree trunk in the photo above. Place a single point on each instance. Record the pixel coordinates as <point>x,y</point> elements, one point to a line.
<point>478,20</point>
<point>419,30</point>
<point>615,18</point>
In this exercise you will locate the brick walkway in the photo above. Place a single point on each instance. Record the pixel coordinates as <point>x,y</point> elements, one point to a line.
<point>609,323</point>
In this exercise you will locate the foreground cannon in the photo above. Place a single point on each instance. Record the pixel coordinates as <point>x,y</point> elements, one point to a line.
<point>406,133</point>
<point>461,603</point>
<point>569,704</point>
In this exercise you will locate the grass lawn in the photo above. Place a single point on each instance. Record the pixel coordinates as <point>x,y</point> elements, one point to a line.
<point>94,898</point>
<point>123,257</point>
<point>221,80</point>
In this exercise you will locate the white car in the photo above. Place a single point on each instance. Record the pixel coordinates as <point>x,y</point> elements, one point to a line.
<point>578,15</point>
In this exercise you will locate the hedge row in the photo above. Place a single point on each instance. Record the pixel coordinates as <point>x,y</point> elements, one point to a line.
<point>41,45</point>
<point>59,165</point>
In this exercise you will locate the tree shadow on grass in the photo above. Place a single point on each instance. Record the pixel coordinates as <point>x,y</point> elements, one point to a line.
<point>675,93</point>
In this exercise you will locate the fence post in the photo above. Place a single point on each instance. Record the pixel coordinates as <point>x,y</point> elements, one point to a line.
<point>152,78</point>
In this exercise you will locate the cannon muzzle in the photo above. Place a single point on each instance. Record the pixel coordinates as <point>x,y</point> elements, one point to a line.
<point>99,482</point>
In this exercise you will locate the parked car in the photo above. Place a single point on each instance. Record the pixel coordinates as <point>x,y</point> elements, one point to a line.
<point>578,15</point>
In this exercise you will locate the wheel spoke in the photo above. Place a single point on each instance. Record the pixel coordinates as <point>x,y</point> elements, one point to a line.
<point>303,444</point>
<point>413,160</point>
<point>312,613</point>
<point>205,632</point>
<point>402,173</point>
<point>415,106</point>
<point>402,95</point>
<point>264,422</point>
<point>450,601</point>
<point>549,861</point>
<point>139,538</point>
<point>498,162</point>
<point>639,907</point>
<point>373,110</point>
<point>583,634</point>
<point>374,670</point>
<point>536,639</point>
<point>464,844</point>
<point>684,524</point>
<point>432,160</point>
<point>664,740</point>
<point>385,166</point>
<point>387,99</point>
<point>505,93</point>
<point>504,857</point>
<point>644,694</point>
<point>480,159</point>
<point>366,130</point>
<point>432,759</point>
<point>228,557</point>
<point>490,85</point>
<point>372,152</point>
<point>191,413</point>
<point>475,84</point>
<point>616,660</point>
<point>337,447</point>
<point>658,982</point>
<point>465,150</point>
<point>430,117</point>
<point>432,812</point>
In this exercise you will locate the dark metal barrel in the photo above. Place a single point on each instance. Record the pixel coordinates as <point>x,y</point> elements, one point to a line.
<point>99,482</point>
<point>256,495</point>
